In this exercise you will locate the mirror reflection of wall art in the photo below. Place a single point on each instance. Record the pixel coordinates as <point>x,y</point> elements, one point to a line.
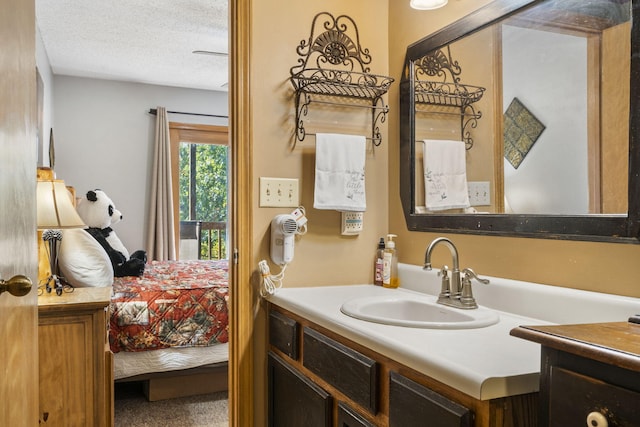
<point>521,130</point>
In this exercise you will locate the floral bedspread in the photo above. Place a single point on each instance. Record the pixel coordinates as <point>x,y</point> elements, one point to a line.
<point>174,304</point>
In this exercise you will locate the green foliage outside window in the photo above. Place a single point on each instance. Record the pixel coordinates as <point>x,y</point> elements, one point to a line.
<point>211,185</point>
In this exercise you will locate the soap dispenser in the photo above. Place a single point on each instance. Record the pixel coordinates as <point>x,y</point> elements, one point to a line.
<point>379,263</point>
<point>390,277</point>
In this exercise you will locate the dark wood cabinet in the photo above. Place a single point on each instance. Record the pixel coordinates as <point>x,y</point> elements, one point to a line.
<point>294,400</point>
<point>412,404</point>
<point>347,417</point>
<point>351,372</point>
<point>575,398</point>
<point>283,334</point>
<point>590,374</point>
<point>318,377</point>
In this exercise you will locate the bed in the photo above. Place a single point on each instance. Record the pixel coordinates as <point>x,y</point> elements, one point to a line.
<point>169,328</point>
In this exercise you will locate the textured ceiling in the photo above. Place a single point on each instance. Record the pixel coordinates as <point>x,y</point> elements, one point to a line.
<point>144,41</point>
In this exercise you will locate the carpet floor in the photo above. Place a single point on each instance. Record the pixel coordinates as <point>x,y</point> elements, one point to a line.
<point>133,410</point>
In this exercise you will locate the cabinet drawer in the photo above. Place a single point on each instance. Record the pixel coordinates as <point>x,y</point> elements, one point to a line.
<point>347,417</point>
<point>572,397</point>
<point>412,404</point>
<point>351,372</point>
<point>295,400</point>
<point>283,334</point>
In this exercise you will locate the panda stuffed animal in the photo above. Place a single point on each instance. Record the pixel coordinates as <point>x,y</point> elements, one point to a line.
<point>98,212</point>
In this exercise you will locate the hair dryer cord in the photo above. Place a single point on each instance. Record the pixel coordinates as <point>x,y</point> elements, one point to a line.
<point>270,283</point>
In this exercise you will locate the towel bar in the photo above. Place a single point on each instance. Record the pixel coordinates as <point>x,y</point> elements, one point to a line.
<point>368,138</point>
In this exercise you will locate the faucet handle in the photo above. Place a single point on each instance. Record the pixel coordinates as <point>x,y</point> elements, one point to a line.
<point>444,271</point>
<point>466,296</point>
<point>470,274</point>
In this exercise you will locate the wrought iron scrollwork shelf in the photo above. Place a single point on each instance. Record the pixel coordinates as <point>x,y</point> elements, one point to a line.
<point>331,70</point>
<point>447,94</point>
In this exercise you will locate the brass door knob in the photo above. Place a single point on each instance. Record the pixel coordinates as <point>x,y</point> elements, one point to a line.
<point>18,286</point>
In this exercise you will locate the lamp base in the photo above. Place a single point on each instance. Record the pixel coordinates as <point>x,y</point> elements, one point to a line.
<point>58,284</point>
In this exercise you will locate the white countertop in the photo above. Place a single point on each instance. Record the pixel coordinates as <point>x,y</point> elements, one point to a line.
<point>484,363</point>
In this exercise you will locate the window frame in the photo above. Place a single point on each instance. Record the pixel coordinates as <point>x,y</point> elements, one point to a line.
<point>195,134</point>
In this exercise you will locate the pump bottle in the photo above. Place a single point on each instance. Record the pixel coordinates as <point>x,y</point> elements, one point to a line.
<point>378,264</point>
<point>390,277</point>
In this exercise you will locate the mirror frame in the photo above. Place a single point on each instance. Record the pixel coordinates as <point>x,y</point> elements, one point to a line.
<point>607,228</point>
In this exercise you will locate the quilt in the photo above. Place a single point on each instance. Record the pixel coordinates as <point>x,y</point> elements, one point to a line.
<point>174,304</point>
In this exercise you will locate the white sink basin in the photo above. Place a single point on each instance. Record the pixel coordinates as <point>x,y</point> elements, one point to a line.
<point>416,311</point>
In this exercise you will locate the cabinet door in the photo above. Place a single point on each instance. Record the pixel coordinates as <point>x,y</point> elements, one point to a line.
<point>283,334</point>
<point>67,369</point>
<point>412,404</point>
<point>347,417</point>
<point>294,400</point>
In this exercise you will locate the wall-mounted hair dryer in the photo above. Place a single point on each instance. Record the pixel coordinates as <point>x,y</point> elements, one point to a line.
<point>283,230</point>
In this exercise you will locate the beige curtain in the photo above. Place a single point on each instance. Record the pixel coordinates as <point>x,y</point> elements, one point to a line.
<point>161,244</point>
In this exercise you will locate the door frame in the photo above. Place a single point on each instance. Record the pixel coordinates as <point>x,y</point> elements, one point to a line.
<point>241,354</point>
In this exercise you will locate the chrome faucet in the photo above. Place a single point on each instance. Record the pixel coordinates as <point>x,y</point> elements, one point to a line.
<point>454,292</point>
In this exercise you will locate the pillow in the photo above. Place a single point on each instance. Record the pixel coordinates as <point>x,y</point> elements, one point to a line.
<point>82,261</point>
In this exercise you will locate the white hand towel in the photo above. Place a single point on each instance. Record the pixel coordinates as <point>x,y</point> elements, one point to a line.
<point>445,175</point>
<point>340,161</point>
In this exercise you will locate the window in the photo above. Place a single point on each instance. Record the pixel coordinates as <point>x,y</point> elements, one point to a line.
<point>200,188</point>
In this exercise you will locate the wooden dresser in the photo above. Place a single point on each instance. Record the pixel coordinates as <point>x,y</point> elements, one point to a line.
<point>75,362</point>
<point>590,373</point>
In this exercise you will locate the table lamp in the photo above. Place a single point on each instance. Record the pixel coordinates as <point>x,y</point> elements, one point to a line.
<point>55,211</point>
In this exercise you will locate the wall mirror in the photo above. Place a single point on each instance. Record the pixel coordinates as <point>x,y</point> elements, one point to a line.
<point>542,95</point>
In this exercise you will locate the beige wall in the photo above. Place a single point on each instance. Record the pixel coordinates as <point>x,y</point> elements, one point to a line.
<point>322,256</point>
<point>601,267</point>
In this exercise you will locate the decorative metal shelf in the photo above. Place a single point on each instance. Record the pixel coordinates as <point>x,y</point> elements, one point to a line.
<point>446,93</point>
<point>449,94</point>
<point>332,70</point>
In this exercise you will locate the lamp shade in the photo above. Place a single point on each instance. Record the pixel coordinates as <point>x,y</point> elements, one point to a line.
<point>427,4</point>
<point>54,206</point>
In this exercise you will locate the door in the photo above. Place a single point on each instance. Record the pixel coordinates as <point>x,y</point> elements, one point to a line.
<point>18,316</point>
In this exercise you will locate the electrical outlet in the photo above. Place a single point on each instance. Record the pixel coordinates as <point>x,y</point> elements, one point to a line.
<point>352,223</point>
<point>479,193</point>
<point>279,192</point>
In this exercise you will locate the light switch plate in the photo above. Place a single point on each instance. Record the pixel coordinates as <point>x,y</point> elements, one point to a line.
<point>479,193</point>
<point>279,192</point>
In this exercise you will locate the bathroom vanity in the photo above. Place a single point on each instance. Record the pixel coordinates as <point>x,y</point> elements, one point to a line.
<point>382,375</point>
<point>327,368</point>
<point>317,376</point>
<point>590,373</point>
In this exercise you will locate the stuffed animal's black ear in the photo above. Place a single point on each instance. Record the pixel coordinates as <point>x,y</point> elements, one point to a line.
<point>92,196</point>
